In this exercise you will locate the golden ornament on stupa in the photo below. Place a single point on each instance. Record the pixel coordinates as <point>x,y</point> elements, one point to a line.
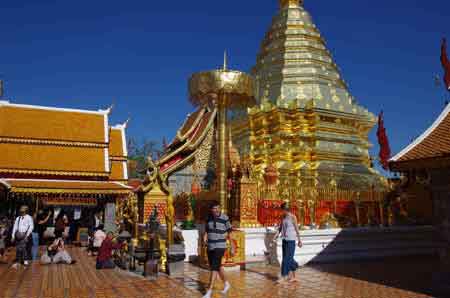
<point>270,175</point>
<point>223,89</point>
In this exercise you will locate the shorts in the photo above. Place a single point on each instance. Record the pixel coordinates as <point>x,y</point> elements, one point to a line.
<point>215,258</point>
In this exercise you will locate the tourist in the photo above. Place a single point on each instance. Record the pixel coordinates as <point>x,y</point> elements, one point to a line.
<point>57,253</point>
<point>3,235</point>
<point>289,233</point>
<point>23,226</point>
<point>97,240</point>
<point>61,224</point>
<point>42,221</point>
<point>217,229</point>
<point>104,258</point>
<point>95,222</point>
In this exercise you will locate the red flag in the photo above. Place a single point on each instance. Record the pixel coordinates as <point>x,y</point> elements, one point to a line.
<point>445,63</point>
<point>385,149</point>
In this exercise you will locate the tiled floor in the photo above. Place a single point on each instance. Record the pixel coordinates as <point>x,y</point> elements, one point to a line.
<point>408,278</point>
<point>393,278</point>
<point>83,281</point>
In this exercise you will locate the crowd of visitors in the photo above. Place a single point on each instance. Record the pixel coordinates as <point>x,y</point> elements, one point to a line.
<point>43,237</point>
<point>28,234</point>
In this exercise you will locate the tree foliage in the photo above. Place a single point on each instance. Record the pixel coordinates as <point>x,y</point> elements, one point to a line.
<point>138,152</point>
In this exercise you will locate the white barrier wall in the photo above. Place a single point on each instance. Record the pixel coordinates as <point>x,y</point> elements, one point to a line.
<point>334,244</point>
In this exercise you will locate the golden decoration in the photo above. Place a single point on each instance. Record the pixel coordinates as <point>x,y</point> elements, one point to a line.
<point>223,89</point>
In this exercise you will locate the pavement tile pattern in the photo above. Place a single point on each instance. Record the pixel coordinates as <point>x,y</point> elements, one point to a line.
<point>390,278</point>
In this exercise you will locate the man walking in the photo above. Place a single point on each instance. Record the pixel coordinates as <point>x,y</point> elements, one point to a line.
<point>23,227</point>
<point>218,228</point>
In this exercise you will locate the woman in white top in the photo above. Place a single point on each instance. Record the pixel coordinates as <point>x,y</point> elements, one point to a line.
<point>289,233</point>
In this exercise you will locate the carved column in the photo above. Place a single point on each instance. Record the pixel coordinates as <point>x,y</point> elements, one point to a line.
<point>357,205</point>
<point>381,207</point>
<point>333,185</point>
<point>312,213</point>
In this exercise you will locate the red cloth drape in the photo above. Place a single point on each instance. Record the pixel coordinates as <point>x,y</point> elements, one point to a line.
<point>445,64</point>
<point>385,149</point>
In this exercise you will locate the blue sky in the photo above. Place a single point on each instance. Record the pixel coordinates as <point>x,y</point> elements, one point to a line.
<point>139,54</point>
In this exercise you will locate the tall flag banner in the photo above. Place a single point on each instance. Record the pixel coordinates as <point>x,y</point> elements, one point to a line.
<point>385,149</point>
<point>445,63</point>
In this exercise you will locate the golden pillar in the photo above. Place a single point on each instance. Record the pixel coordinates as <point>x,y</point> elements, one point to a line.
<point>222,148</point>
<point>381,209</point>
<point>223,89</point>
<point>334,188</point>
<point>357,211</point>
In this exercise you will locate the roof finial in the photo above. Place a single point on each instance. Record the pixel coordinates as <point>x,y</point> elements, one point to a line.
<point>225,60</point>
<point>110,108</point>
<point>125,124</point>
<point>290,3</point>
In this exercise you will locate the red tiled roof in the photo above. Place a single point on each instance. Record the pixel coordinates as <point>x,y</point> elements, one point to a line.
<point>434,142</point>
<point>184,152</point>
<point>188,126</point>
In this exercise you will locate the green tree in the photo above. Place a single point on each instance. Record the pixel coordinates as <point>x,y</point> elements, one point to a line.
<point>138,152</point>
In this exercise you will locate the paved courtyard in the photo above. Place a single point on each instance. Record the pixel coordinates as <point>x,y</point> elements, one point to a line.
<point>402,278</point>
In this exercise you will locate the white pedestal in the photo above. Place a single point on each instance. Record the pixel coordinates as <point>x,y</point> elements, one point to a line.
<point>191,238</point>
<point>333,245</point>
<point>257,243</point>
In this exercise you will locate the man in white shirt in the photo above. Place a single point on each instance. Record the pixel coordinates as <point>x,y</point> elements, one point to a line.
<point>23,227</point>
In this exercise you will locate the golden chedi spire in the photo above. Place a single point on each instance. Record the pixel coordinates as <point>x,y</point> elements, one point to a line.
<point>295,69</point>
<point>290,3</point>
<point>306,119</point>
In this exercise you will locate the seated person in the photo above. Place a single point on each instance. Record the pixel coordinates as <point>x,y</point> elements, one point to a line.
<point>104,258</point>
<point>97,240</point>
<point>57,253</point>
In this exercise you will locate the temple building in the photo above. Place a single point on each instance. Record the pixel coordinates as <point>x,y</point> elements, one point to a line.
<point>425,167</point>
<point>61,158</point>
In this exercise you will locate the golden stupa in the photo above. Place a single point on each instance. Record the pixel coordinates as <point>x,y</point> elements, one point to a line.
<point>305,122</point>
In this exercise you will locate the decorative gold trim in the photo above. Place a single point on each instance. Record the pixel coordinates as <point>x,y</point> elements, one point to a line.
<point>50,172</point>
<point>205,131</point>
<point>188,145</point>
<point>175,166</point>
<point>118,158</point>
<point>66,191</point>
<point>52,142</point>
<point>183,137</point>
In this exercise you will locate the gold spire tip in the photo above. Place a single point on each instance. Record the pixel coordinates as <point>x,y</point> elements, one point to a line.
<point>225,60</point>
<point>290,3</point>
